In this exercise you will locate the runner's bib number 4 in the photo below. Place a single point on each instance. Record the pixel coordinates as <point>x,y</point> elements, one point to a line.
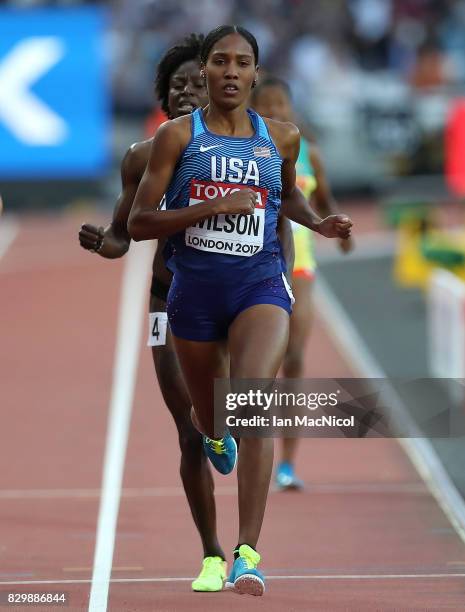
<point>158,322</point>
<point>228,234</point>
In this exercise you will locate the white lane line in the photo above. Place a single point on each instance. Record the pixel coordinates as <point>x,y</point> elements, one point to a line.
<point>419,450</point>
<point>129,493</point>
<point>8,231</point>
<point>133,295</point>
<point>413,488</point>
<point>277,577</point>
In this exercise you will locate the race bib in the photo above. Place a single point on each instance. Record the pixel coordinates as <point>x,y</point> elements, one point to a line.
<point>228,234</point>
<point>158,322</point>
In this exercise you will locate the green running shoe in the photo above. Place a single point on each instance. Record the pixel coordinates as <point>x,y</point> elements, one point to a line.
<point>212,576</point>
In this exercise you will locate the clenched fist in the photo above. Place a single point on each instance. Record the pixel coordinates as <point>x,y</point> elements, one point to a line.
<point>335,226</point>
<point>241,202</point>
<point>91,237</point>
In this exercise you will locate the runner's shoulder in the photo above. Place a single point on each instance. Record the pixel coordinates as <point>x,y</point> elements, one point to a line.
<point>175,131</point>
<point>283,132</point>
<point>136,157</point>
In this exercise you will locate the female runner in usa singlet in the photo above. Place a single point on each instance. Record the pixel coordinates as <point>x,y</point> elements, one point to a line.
<point>225,171</point>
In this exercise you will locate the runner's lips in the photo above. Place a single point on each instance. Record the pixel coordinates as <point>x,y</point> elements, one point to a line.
<point>230,89</point>
<point>186,103</point>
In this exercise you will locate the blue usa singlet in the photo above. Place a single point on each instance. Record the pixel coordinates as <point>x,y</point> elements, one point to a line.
<point>227,248</point>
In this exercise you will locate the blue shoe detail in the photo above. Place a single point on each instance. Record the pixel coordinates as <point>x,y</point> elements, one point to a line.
<point>245,578</point>
<point>286,479</point>
<point>222,453</point>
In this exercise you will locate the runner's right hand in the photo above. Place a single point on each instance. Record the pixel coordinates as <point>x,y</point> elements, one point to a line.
<point>241,202</point>
<point>91,237</point>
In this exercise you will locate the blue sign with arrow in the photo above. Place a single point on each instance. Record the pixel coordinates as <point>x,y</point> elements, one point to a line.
<point>54,94</point>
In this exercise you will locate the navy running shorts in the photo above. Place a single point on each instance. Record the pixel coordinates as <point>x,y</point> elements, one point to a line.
<point>204,311</point>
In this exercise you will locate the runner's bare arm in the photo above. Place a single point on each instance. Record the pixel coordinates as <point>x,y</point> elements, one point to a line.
<point>145,221</point>
<point>113,241</point>
<point>296,207</point>
<point>322,196</point>
<point>294,204</point>
<point>284,231</point>
<point>324,200</point>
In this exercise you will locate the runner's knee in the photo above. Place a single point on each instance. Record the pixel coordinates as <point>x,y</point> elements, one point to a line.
<point>293,363</point>
<point>190,443</point>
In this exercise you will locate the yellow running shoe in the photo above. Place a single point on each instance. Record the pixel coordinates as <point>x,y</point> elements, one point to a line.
<point>212,576</point>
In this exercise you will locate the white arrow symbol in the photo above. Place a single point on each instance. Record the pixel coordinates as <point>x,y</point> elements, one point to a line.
<point>26,116</point>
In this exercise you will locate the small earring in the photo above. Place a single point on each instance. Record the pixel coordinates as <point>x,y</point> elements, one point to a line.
<point>254,84</point>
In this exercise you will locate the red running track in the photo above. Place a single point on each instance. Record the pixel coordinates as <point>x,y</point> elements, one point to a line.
<point>366,535</point>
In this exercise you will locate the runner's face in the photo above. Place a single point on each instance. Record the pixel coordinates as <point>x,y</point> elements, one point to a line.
<point>230,71</point>
<point>273,102</point>
<point>187,90</point>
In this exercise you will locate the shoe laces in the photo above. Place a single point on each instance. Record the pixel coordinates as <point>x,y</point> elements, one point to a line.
<point>249,557</point>
<point>210,565</point>
<point>217,446</point>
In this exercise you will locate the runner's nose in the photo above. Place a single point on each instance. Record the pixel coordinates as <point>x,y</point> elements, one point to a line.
<point>231,71</point>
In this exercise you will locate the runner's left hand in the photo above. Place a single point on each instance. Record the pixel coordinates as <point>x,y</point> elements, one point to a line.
<point>335,226</point>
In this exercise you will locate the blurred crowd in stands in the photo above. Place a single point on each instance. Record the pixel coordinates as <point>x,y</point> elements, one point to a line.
<point>309,42</point>
<point>373,76</point>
